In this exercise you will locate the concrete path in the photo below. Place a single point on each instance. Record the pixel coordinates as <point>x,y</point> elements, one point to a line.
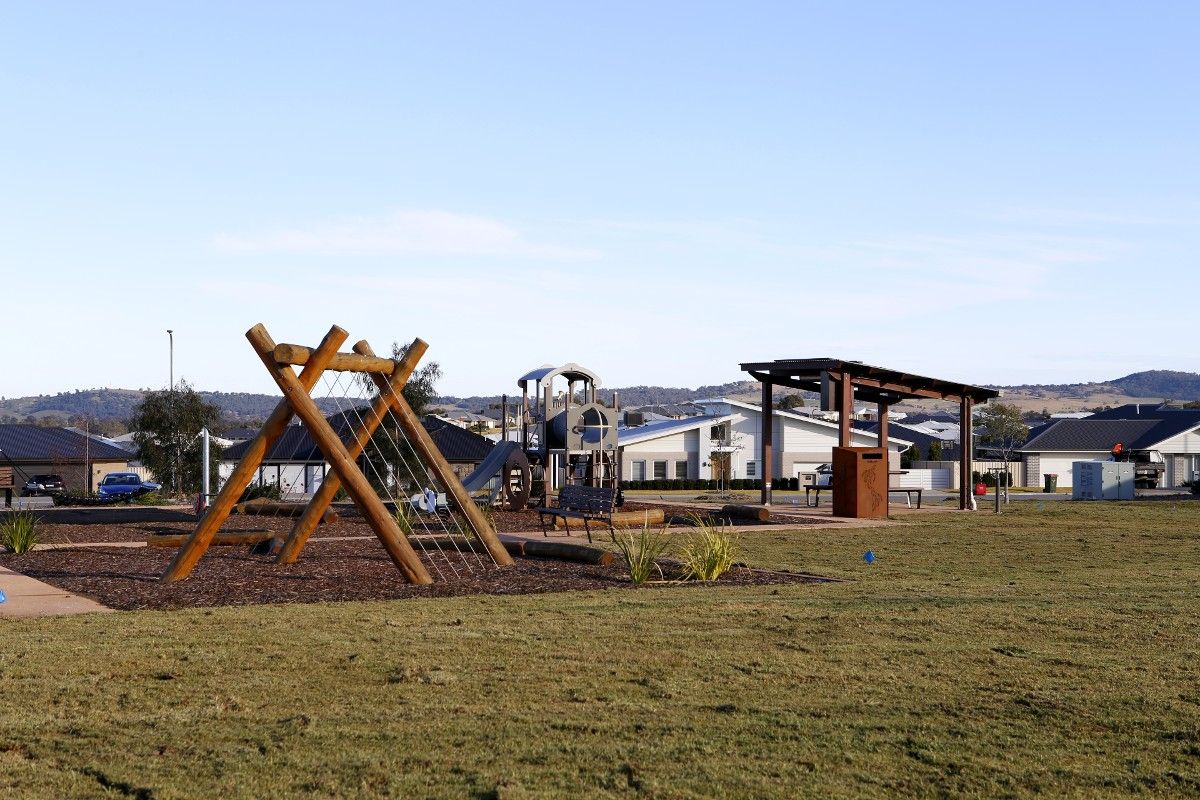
<point>32,598</point>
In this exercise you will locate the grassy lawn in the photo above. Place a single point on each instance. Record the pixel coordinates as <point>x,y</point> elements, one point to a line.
<point>1049,650</point>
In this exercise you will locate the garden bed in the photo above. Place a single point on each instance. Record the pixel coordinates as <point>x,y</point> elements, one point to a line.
<point>353,569</point>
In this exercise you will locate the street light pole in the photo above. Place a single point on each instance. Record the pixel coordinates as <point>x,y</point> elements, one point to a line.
<point>171,335</point>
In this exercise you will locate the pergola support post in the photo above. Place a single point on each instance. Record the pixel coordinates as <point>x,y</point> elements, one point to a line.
<point>767,460</point>
<point>845,409</point>
<point>966,437</point>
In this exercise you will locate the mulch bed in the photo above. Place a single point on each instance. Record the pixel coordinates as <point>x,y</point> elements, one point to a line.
<point>127,578</point>
<point>85,531</point>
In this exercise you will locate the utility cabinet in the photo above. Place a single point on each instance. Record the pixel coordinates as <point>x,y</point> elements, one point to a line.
<point>1102,480</point>
<point>860,482</point>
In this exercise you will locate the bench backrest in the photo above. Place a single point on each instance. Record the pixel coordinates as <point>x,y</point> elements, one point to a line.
<point>592,499</point>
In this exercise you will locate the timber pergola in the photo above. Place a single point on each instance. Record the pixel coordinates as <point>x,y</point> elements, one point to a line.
<point>832,377</point>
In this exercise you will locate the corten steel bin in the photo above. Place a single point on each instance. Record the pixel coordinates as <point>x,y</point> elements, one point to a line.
<point>860,482</point>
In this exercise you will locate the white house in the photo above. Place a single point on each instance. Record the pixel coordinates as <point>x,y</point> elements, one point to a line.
<point>1173,432</point>
<point>726,442</point>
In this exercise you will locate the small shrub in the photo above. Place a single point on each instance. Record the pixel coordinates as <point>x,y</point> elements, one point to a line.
<point>641,551</point>
<point>460,527</point>
<point>146,498</point>
<point>270,491</point>
<point>710,551</point>
<point>19,532</point>
<point>489,514</point>
<point>404,517</point>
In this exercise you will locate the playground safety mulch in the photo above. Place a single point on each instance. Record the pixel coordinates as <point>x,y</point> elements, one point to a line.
<point>519,521</point>
<point>127,579</point>
<point>98,531</point>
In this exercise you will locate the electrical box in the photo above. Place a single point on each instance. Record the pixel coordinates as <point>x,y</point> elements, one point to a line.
<point>1102,480</point>
<point>860,482</point>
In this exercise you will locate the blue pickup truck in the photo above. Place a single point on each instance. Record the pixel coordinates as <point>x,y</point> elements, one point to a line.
<point>116,484</point>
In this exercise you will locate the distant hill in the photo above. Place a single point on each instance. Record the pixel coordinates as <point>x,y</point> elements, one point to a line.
<point>1161,383</point>
<point>114,406</point>
<point>629,396</point>
<point>1148,386</point>
<point>117,405</point>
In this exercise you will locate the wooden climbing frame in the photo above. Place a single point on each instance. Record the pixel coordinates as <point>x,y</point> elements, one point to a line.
<point>389,377</point>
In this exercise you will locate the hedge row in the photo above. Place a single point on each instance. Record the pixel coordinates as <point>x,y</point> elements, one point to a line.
<point>709,485</point>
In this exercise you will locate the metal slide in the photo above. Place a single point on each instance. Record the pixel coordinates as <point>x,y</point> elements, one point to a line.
<point>508,463</point>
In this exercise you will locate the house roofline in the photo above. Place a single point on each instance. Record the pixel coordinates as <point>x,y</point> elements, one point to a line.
<point>797,417</point>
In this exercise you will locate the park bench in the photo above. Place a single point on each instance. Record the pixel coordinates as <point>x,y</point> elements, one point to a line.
<point>581,502</point>
<point>811,489</point>
<point>908,491</point>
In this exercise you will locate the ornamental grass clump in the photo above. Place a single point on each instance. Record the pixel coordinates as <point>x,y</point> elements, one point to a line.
<point>404,517</point>
<point>641,551</point>
<point>19,532</point>
<point>710,552</point>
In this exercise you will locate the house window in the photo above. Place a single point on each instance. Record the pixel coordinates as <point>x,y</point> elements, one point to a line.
<point>681,469</point>
<point>719,433</point>
<point>639,471</point>
<point>751,469</point>
<point>660,470</point>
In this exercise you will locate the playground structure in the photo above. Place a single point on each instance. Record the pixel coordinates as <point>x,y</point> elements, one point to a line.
<point>569,437</point>
<point>385,429</point>
<point>507,472</point>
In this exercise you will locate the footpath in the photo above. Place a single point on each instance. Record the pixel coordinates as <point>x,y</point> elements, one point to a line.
<point>26,597</point>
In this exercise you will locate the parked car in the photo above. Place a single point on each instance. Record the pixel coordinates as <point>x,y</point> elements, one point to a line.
<point>45,484</point>
<point>125,483</point>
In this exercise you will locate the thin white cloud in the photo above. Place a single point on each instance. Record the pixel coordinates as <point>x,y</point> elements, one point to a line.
<point>1069,217</point>
<point>404,232</point>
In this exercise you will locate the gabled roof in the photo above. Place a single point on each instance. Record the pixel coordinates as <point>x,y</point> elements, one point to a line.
<point>32,443</point>
<point>1072,435</point>
<point>789,415</point>
<point>458,445</point>
<point>673,410</point>
<point>915,437</point>
<point>1137,427</point>
<point>240,434</point>
<point>1134,411</point>
<point>656,429</point>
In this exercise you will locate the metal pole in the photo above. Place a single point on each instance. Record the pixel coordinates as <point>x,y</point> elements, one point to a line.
<point>204,469</point>
<point>171,336</point>
<point>504,418</point>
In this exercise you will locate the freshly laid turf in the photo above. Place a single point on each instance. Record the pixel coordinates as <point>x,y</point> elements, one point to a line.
<point>1051,650</point>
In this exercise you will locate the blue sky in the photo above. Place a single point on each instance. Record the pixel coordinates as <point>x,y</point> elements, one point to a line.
<point>1001,193</point>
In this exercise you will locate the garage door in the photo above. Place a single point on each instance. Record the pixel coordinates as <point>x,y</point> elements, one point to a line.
<point>1060,465</point>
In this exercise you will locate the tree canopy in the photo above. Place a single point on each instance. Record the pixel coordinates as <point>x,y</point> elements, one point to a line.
<point>790,401</point>
<point>1002,428</point>
<point>421,388</point>
<point>167,426</point>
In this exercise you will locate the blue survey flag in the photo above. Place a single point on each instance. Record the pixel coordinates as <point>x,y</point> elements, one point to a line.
<point>869,556</point>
